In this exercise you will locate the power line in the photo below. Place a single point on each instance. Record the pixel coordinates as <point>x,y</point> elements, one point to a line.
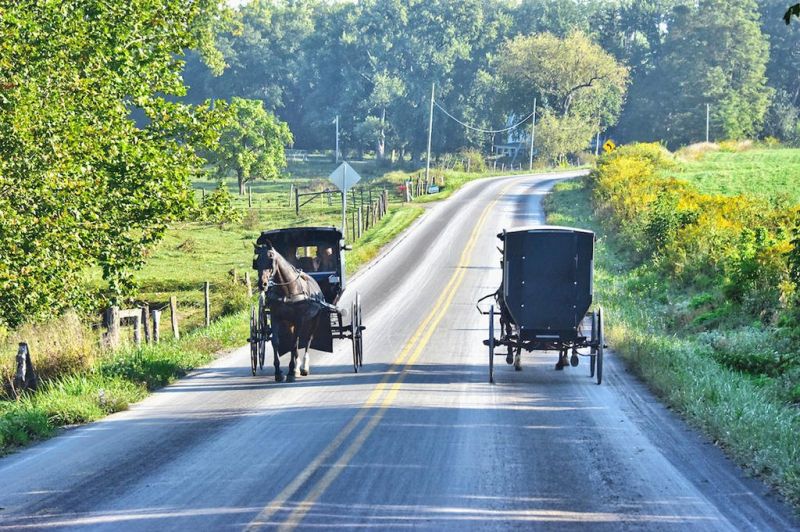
<point>481,130</point>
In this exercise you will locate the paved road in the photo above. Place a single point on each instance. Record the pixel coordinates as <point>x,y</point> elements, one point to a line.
<point>418,439</point>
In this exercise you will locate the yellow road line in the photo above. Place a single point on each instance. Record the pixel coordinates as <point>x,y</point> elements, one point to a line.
<point>428,326</point>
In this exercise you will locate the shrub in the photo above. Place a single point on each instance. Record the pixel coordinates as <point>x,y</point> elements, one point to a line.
<point>218,207</point>
<point>234,298</point>
<point>695,152</point>
<point>472,160</point>
<point>740,241</point>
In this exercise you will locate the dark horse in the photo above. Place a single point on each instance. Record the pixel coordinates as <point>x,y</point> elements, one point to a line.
<point>296,305</point>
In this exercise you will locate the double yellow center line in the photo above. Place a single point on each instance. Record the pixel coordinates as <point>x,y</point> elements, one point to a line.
<point>407,357</point>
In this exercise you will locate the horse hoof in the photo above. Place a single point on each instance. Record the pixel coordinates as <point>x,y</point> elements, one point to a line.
<point>304,372</point>
<point>559,366</point>
<point>573,361</point>
<point>290,377</point>
<point>509,359</point>
<point>517,368</point>
<point>279,377</point>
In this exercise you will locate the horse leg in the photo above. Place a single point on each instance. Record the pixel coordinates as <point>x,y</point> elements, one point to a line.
<point>304,371</point>
<point>562,360</point>
<point>518,359</point>
<point>304,368</point>
<point>292,375</point>
<point>276,359</point>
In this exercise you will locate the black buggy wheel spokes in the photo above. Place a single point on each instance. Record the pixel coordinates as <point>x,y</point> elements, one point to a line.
<point>354,334</point>
<point>600,340</point>
<point>254,341</point>
<point>265,328</point>
<point>359,333</point>
<point>491,344</point>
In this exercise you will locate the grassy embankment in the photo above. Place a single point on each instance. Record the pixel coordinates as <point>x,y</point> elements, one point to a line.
<point>83,383</point>
<point>711,350</point>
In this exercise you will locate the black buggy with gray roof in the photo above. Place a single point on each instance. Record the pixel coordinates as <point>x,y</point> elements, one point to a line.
<point>319,253</point>
<point>544,299</point>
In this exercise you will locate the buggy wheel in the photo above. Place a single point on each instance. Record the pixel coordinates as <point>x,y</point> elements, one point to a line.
<point>354,333</point>
<point>600,340</point>
<point>491,345</point>
<point>254,341</point>
<point>359,331</point>
<point>593,350</point>
<point>266,330</point>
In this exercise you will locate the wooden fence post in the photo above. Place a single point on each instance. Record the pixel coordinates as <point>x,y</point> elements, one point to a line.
<point>296,201</point>
<point>249,285</point>
<point>291,193</point>
<point>156,315</point>
<point>112,326</point>
<point>173,314</point>
<point>250,196</point>
<point>137,329</point>
<point>360,221</point>
<point>146,322</point>
<point>208,302</point>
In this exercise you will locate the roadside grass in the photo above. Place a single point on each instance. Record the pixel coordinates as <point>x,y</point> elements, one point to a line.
<point>743,415</point>
<point>772,173</point>
<point>115,381</point>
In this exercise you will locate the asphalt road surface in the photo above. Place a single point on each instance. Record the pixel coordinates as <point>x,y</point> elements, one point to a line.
<point>417,439</point>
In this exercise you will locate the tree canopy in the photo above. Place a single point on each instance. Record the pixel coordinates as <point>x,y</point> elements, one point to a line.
<point>81,184</point>
<point>251,143</point>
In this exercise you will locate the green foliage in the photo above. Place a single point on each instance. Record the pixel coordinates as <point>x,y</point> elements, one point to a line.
<point>741,241</point>
<point>738,382</point>
<point>251,143</point>
<point>81,184</point>
<point>570,76</point>
<point>574,80</point>
<point>218,207</point>
<point>704,59</point>
<point>473,161</point>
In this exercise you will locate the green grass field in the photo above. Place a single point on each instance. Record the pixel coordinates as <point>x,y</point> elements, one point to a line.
<point>768,173</point>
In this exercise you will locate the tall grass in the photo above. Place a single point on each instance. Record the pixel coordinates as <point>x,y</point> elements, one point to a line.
<point>112,383</point>
<point>744,415</point>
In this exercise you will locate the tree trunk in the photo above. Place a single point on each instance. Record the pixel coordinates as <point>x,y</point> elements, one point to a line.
<point>380,152</point>
<point>240,176</point>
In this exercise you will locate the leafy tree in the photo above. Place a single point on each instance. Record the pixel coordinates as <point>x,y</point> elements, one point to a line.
<point>81,185</point>
<point>576,82</point>
<point>705,59</point>
<point>251,143</point>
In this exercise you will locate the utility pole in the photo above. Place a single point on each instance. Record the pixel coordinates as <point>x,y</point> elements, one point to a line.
<point>533,134</point>
<point>337,142</point>
<point>708,121</point>
<point>430,133</point>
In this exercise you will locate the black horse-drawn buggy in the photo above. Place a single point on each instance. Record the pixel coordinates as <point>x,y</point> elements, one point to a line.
<point>544,297</point>
<point>301,277</point>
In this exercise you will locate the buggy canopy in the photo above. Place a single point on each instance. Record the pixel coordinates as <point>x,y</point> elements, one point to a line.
<point>547,279</point>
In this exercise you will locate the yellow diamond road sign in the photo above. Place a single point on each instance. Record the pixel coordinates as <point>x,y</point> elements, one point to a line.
<point>609,146</point>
